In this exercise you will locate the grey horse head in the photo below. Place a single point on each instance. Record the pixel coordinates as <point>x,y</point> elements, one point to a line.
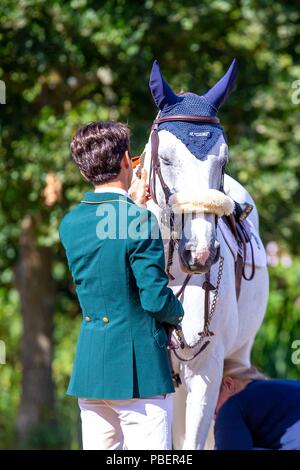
<point>192,158</point>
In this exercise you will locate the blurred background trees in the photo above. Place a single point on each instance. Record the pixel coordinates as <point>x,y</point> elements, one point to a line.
<point>65,63</point>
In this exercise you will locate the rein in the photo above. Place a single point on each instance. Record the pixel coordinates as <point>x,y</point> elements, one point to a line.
<point>208,313</point>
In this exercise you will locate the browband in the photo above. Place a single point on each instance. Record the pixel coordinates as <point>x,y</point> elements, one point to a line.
<point>187,118</point>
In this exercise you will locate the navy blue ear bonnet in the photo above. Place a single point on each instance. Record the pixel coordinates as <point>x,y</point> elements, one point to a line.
<point>199,138</point>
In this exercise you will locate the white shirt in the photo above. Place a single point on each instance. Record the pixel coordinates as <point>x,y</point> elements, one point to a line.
<point>111,189</point>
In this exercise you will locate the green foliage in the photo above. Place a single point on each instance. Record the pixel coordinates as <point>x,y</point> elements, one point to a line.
<point>10,372</point>
<point>273,346</point>
<point>66,63</point>
<point>65,432</point>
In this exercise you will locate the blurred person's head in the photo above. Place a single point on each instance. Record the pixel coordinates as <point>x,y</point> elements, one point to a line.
<point>101,152</point>
<point>235,383</point>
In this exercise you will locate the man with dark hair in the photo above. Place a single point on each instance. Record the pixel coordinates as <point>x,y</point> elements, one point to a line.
<point>121,373</point>
<point>98,149</point>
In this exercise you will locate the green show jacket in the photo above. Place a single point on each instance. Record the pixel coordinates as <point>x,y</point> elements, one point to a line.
<point>116,257</point>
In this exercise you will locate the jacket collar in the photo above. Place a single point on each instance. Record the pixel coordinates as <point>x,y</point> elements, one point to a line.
<point>111,189</point>
<point>93,198</point>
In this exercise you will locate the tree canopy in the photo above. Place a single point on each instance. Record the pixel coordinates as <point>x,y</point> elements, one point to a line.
<point>66,63</point>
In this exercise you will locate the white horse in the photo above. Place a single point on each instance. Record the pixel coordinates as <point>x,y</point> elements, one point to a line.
<point>235,322</point>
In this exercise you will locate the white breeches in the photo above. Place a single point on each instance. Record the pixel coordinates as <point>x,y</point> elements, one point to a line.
<point>135,424</point>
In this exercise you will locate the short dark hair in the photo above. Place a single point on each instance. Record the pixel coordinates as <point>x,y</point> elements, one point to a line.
<point>97,149</point>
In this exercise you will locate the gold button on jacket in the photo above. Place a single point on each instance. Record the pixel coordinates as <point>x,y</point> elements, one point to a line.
<point>105,320</point>
<point>87,318</point>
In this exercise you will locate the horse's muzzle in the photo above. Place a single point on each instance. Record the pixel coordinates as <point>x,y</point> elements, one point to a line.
<point>198,263</point>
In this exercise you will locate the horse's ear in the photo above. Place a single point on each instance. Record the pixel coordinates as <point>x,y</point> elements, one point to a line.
<point>217,95</point>
<point>162,93</point>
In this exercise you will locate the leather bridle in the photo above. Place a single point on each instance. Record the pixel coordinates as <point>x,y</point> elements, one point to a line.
<point>154,173</point>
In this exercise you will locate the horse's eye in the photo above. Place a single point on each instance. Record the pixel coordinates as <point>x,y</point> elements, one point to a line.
<point>165,161</point>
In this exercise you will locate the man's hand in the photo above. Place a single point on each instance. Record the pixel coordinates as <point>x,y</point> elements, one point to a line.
<point>139,189</point>
<point>175,339</point>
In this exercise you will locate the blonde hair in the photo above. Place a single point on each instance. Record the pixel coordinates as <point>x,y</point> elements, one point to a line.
<point>248,374</point>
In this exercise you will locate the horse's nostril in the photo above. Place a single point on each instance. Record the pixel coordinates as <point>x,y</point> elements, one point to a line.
<point>189,252</point>
<point>202,256</point>
<point>198,259</point>
<point>189,247</point>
